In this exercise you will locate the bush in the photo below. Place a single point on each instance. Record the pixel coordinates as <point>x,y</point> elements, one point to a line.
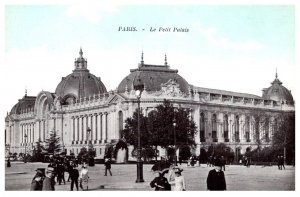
<point>185,152</point>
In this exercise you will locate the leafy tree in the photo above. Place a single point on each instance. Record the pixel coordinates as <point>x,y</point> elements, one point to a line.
<point>284,136</point>
<point>166,127</point>
<point>83,153</point>
<point>38,151</point>
<point>52,144</point>
<point>185,152</point>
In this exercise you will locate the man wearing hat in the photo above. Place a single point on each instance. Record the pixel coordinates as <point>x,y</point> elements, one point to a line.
<point>37,181</point>
<point>216,178</point>
<point>48,183</point>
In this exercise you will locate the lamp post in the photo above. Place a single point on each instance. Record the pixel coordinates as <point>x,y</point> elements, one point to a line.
<point>139,87</point>
<point>174,125</point>
<point>88,134</point>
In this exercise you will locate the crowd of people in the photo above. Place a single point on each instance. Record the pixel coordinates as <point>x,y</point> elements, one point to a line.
<point>171,179</point>
<point>55,173</point>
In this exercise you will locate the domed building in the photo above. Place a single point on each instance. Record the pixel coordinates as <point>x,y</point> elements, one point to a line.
<point>278,92</point>
<point>79,84</point>
<point>153,76</point>
<point>82,111</point>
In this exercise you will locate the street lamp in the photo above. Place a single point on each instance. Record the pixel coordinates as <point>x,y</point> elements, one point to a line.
<point>139,87</point>
<point>174,125</point>
<point>88,134</point>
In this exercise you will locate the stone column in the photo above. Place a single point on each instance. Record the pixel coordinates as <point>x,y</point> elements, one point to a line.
<point>220,131</point>
<point>80,128</point>
<point>85,126</point>
<point>77,123</point>
<point>103,127</point>
<point>72,128</point>
<point>99,127</point>
<point>108,127</point>
<point>231,128</point>
<point>197,122</point>
<point>94,125</point>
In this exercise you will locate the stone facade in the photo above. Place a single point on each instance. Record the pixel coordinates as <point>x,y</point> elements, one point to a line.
<point>220,116</point>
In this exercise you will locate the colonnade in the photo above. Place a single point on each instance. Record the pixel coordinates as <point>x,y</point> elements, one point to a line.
<point>229,127</point>
<point>92,127</point>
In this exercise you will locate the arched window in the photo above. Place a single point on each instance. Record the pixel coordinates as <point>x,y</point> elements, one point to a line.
<point>237,129</point>
<point>257,137</point>
<point>247,129</point>
<point>225,123</point>
<point>202,127</point>
<point>214,127</point>
<point>120,124</point>
<point>266,130</point>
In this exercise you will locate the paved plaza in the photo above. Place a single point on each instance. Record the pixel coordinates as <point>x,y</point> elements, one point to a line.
<point>238,178</point>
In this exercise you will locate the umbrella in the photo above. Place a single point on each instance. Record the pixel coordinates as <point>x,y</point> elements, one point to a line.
<point>161,166</point>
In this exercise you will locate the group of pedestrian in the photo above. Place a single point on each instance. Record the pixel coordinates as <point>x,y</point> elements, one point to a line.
<point>174,180</point>
<point>46,182</point>
<point>280,162</point>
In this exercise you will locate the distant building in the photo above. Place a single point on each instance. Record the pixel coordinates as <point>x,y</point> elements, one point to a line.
<point>81,103</point>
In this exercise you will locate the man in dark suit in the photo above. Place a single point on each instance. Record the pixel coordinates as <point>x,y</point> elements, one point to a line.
<point>216,178</point>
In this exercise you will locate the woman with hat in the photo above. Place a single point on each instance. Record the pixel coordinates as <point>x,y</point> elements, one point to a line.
<point>48,183</point>
<point>179,183</point>
<point>84,177</point>
<point>216,178</point>
<point>37,181</point>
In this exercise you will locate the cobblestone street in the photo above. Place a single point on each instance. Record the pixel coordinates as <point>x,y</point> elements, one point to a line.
<point>238,178</point>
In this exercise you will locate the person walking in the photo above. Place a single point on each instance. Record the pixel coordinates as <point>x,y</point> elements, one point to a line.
<point>216,178</point>
<point>74,175</point>
<point>223,162</point>
<point>160,183</point>
<point>8,163</point>
<point>171,176</point>
<point>248,162</point>
<point>179,183</point>
<point>107,164</point>
<point>84,177</point>
<point>49,183</point>
<point>279,162</point>
<point>282,162</point>
<point>37,181</point>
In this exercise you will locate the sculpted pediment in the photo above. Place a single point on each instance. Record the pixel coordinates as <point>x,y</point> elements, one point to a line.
<point>171,88</point>
<point>116,98</point>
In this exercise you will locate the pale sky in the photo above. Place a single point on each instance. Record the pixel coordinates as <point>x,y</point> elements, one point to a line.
<point>229,47</point>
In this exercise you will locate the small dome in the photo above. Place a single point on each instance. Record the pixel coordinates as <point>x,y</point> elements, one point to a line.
<point>278,92</point>
<point>25,105</point>
<point>153,76</point>
<point>79,84</point>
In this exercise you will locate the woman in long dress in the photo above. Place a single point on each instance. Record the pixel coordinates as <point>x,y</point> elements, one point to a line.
<point>179,183</point>
<point>84,177</point>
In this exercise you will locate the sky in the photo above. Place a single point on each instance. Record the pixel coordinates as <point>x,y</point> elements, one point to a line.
<point>235,48</point>
<point>228,46</point>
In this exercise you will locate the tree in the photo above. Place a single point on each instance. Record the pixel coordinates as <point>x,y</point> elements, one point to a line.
<point>166,127</point>
<point>38,151</point>
<point>83,154</point>
<point>52,144</point>
<point>284,136</point>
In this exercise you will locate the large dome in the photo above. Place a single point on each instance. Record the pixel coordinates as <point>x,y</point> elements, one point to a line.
<point>278,92</point>
<point>79,84</point>
<point>153,77</point>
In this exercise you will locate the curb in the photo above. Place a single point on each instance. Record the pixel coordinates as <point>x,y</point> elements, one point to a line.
<point>11,173</point>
